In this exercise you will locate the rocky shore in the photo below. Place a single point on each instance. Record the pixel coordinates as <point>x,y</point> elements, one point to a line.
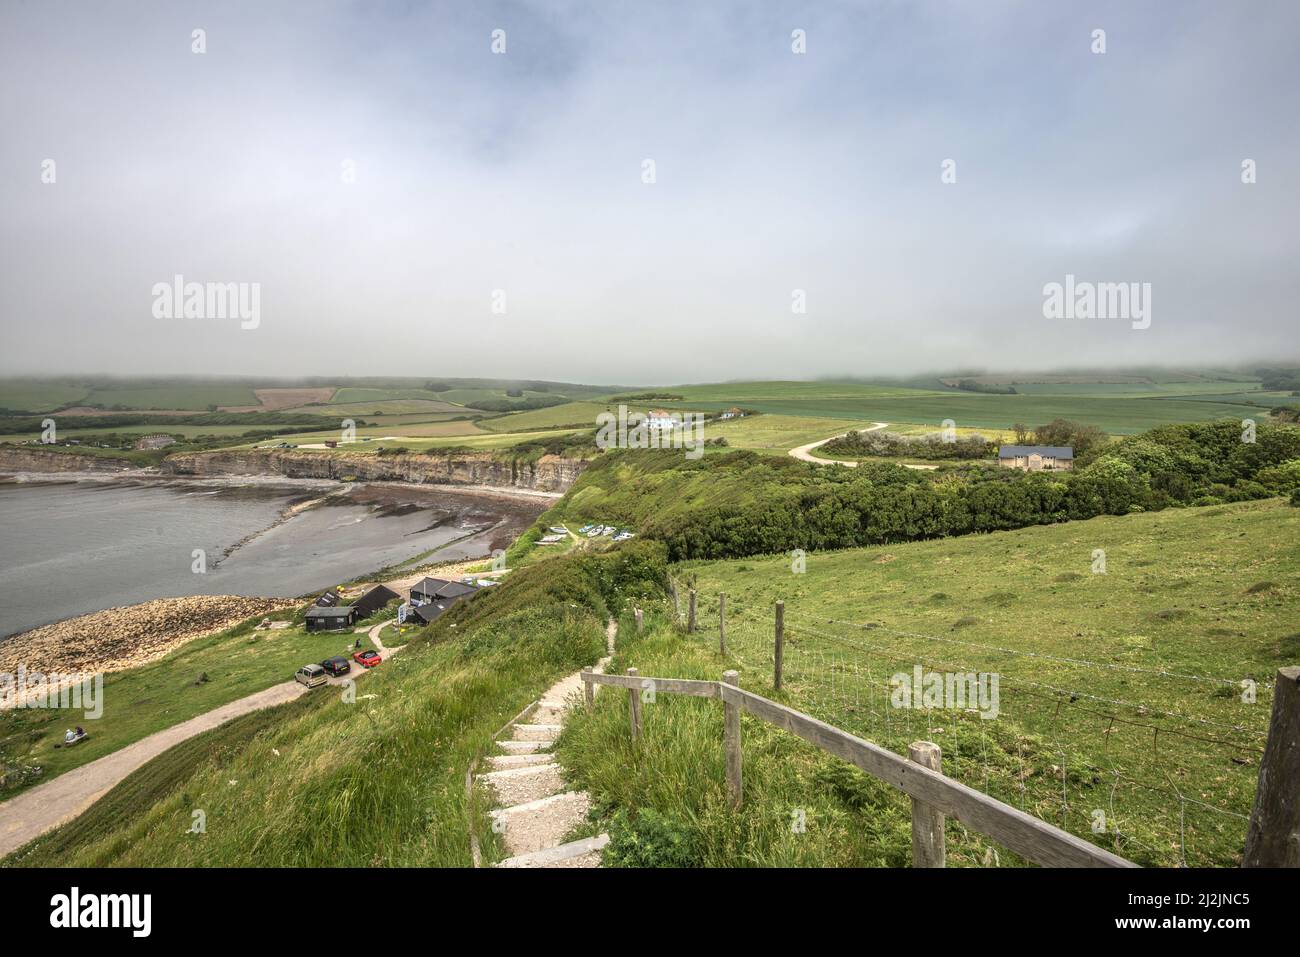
<point>125,637</point>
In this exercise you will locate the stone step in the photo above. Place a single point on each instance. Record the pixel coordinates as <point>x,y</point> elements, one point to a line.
<point>523,747</point>
<point>582,853</point>
<point>520,785</point>
<point>536,825</point>
<point>537,732</point>
<point>520,760</point>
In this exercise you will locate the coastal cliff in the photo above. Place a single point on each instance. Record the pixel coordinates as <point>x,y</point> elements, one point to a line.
<point>547,473</point>
<point>39,460</point>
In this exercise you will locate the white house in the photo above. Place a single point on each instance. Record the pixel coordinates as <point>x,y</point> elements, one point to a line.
<point>661,419</point>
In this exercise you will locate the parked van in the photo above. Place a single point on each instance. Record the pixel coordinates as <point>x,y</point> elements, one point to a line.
<point>311,675</point>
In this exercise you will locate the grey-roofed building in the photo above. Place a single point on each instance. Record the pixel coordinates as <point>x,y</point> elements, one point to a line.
<point>320,618</point>
<point>1035,458</point>
<point>427,614</point>
<point>431,589</point>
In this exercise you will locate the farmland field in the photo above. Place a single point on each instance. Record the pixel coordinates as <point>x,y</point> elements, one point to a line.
<point>195,397</point>
<point>554,417</point>
<point>38,396</point>
<point>359,396</point>
<point>1119,691</point>
<point>1116,415</point>
<point>434,407</point>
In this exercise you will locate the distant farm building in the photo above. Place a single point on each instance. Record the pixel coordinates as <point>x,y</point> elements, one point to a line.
<point>154,441</point>
<point>1036,458</point>
<point>330,619</point>
<point>733,413</point>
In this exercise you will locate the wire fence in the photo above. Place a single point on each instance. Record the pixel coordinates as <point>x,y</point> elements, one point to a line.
<point>1157,764</point>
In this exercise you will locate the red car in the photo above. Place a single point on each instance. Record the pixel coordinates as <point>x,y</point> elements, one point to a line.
<point>367,658</point>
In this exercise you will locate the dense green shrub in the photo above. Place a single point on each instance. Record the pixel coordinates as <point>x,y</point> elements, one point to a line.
<point>743,503</point>
<point>651,839</point>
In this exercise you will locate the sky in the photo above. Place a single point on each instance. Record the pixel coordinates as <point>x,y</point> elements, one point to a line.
<point>406,200</point>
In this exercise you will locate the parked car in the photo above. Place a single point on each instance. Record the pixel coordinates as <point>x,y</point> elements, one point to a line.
<point>336,665</point>
<point>311,675</point>
<point>367,658</point>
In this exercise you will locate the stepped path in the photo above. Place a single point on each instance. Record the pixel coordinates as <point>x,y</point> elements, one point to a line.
<point>534,812</point>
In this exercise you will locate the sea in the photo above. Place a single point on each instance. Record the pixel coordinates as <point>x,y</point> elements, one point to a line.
<point>72,547</point>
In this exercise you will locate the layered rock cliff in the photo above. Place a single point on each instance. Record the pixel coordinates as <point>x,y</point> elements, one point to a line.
<point>548,473</point>
<point>38,460</point>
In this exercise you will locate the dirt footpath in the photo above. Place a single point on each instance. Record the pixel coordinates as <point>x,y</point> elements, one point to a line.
<point>47,805</point>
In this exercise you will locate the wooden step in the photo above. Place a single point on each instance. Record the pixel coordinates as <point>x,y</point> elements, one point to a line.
<point>582,853</point>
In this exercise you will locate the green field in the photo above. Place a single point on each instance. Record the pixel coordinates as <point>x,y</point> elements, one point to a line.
<point>1116,415</point>
<point>189,397</point>
<point>37,396</point>
<point>1152,730</point>
<point>433,408</point>
<point>366,397</point>
<point>579,414</point>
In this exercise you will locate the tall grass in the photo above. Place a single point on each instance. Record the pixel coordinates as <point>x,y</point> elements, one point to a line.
<point>664,798</point>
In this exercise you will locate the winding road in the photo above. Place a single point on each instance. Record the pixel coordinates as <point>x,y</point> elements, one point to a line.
<point>804,452</point>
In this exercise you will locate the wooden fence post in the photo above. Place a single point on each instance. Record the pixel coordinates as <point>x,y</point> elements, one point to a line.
<point>588,689</point>
<point>1273,836</point>
<point>722,622</point>
<point>690,621</point>
<point>638,621</point>
<point>928,849</point>
<point>731,740</point>
<point>634,706</point>
<point>780,645</point>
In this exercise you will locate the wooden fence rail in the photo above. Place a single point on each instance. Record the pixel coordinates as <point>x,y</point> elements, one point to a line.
<point>934,794</point>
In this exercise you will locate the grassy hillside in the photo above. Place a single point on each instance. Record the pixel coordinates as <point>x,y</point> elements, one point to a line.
<point>1153,733</point>
<point>379,781</point>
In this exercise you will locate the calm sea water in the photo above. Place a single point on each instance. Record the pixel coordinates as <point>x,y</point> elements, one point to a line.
<point>76,547</point>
